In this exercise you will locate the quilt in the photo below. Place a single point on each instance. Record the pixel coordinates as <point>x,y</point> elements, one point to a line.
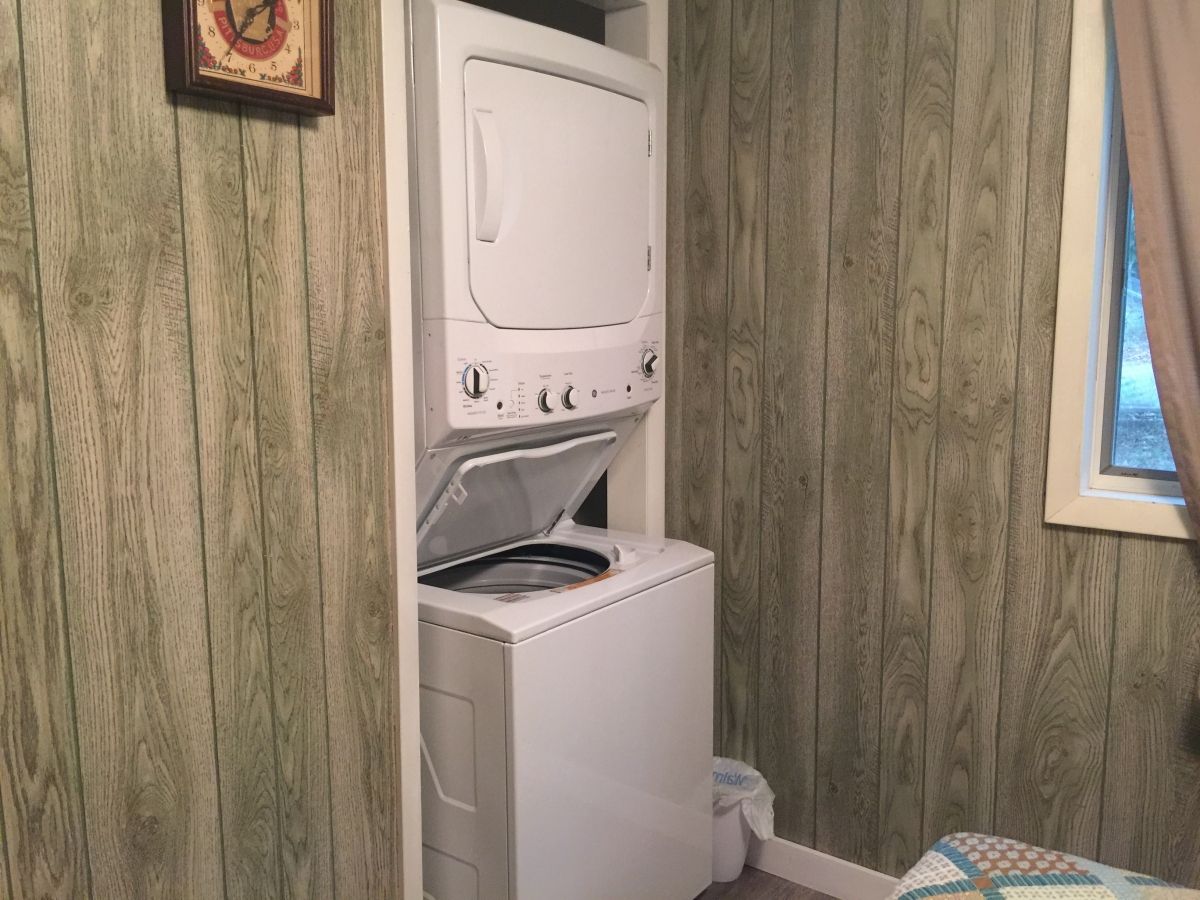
<point>962,866</point>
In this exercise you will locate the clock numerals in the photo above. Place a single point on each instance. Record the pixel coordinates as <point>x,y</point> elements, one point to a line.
<point>261,41</point>
<point>270,49</point>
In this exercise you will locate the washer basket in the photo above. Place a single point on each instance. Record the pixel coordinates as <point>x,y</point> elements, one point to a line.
<point>518,570</point>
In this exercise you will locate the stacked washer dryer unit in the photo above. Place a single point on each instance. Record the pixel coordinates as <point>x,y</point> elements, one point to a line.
<point>566,672</point>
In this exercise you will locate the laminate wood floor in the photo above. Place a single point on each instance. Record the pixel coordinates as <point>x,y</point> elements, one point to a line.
<point>756,885</point>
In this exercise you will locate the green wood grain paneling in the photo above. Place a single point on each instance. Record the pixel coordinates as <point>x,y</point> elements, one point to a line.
<point>988,175</point>
<point>39,764</point>
<point>1061,582</point>
<point>699,286</point>
<point>749,149</point>
<point>106,191</point>
<point>956,672</point>
<point>107,200</point>
<point>916,383</point>
<point>803,53</point>
<point>5,880</point>
<point>348,321</point>
<point>678,93</point>
<point>279,300</point>
<point>1151,817</point>
<point>215,228</point>
<point>868,122</point>
<point>213,399</point>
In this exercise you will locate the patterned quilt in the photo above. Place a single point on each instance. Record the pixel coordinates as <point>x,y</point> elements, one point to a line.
<point>963,866</point>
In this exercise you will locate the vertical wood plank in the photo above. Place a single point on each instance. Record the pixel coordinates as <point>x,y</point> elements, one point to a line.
<point>1151,815</point>
<point>106,190</point>
<point>862,283</point>
<point>700,292</point>
<point>749,137</point>
<point>804,46</point>
<point>983,290</point>
<point>678,301</point>
<point>41,803</point>
<point>924,198</point>
<point>1060,582</point>
<point>343,195</point>
<point>5,879</point>
<point>271,143</point>
<point>215,230</point>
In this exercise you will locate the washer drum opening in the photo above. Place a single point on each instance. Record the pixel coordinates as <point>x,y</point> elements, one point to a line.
<point>525,569</point>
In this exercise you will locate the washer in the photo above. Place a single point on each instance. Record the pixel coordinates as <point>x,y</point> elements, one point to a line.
<point>566,672</point>
<point>566,720</point>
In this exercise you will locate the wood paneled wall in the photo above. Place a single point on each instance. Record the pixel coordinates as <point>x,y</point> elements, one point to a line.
<point>197,588</point>
<point>866,206</point>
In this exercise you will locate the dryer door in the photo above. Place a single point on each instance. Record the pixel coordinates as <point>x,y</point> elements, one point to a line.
<point>559,199</point>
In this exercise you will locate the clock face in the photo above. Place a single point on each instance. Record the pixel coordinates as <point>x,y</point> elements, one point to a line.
<point>273,44</point>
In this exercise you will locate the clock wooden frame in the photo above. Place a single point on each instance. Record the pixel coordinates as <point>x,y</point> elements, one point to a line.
<point>184,75</point>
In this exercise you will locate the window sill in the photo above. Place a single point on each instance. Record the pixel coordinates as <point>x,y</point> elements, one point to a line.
<point>1123,511</point>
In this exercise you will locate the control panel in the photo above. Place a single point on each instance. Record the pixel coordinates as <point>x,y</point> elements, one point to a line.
<point>470,393</point>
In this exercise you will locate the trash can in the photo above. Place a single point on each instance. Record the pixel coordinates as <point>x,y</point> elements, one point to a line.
<point>743,804</point>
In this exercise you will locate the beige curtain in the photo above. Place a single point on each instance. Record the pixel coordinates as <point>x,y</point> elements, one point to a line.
<point>1158,55</point>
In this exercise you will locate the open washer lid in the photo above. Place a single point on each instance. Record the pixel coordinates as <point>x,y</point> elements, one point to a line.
<point>498,499</point>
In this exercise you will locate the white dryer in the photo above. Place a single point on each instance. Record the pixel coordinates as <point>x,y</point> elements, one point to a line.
<point>566,672</point>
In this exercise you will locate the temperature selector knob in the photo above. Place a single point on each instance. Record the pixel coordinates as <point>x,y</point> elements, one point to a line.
<point>570,397</point>
<point>650,362</point>
<point>475,380</point>
<point>547,401</point>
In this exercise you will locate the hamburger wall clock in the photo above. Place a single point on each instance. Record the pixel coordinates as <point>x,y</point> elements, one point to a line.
<point>276,53</point>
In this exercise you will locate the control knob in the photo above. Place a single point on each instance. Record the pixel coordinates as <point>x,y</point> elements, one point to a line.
<point>570,397</point>
<point>650,362</point>
<point>475,380</point>
<point>547,400</point>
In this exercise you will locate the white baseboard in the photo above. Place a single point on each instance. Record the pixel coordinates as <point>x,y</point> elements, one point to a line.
<point>820,871</point>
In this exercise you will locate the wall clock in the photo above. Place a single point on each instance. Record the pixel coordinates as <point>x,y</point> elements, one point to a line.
<point>274,52</point>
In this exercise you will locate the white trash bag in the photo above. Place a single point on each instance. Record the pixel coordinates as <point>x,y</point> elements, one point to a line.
<point>742,803</point>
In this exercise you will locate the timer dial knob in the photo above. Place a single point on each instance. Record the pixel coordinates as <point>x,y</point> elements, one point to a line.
<point>547,401</point>
<point>570,397</point>
<point>475,380</point>
<point>650,362</point>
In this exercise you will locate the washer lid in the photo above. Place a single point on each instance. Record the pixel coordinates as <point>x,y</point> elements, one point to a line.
<point>498,499</point>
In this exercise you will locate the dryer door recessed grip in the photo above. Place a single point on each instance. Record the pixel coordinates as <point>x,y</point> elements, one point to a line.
<point>489,176</point>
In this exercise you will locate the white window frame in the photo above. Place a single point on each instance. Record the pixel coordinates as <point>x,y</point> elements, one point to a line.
<point>1078,492</point>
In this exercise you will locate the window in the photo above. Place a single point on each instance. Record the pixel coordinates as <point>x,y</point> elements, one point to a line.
<point>1109,463</point>
<point>1137,445</point>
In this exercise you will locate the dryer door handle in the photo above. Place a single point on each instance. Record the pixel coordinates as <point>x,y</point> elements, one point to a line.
<point>489,176</point>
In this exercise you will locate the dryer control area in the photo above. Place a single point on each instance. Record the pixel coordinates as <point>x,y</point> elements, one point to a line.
<point>541,192</point>
<point>469,393</point>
